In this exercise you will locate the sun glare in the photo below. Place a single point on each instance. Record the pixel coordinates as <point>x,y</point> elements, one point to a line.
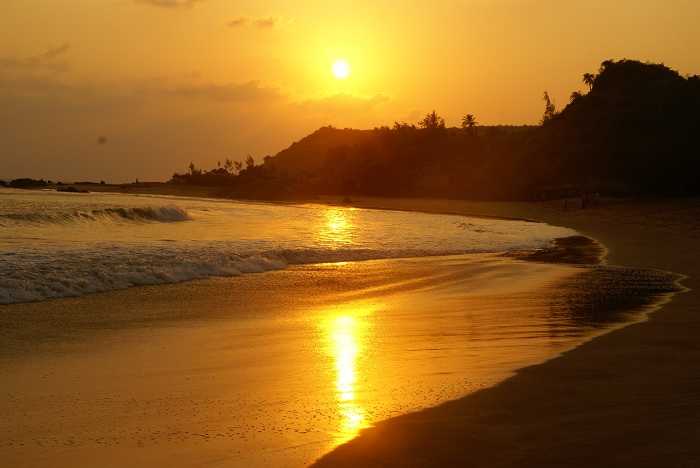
<point>341,69</point>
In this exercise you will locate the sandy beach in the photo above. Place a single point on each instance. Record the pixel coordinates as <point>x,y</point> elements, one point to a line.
<point>74,394</point>
<point>244,234</point>
<point>272,369</point>
<point>628,398</point>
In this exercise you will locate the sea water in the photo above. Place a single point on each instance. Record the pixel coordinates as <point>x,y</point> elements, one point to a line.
<point>55,244</point>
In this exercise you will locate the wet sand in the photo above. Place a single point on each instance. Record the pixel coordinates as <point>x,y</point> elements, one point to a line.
<point>272,369</point>
<point>278,368</point>
<point>627,398</point>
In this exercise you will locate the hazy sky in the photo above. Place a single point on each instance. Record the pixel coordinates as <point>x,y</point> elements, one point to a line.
<point>173,81</point>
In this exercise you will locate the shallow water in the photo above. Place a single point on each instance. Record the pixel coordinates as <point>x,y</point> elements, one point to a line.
<point>276,369</point>
<point>62,244</point>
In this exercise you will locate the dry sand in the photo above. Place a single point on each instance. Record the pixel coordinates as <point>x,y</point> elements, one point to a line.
<point>628,398</point>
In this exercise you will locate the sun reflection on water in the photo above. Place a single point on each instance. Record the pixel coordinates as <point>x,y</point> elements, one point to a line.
<point>337,226</point>
<point>346,335</point>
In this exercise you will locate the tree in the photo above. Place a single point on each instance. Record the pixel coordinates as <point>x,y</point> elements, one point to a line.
<point>575,96</point>
<point>228,165</point>
<point>401,125</point>
<point>249,162</point>
<point>432,121</point>
<point>469,122</point>
<point>589,80</point>
<point>605,65</point>
<point>238,166</point>
<point>550,110</point>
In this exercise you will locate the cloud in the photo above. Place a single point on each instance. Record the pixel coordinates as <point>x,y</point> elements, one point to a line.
<point>171,3</point>
<point>46,61</point>
<point>260,23</point>
<point>55,52</point>
<point>238,22</point>
<point>343,103</point>
<point>263,23</point>
<point>31,86</point>
<point>157,89</point>
<point>251,91</point>
<point>153,127</point>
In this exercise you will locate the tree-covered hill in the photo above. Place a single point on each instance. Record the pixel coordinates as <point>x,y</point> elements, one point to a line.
<point>635,131</point>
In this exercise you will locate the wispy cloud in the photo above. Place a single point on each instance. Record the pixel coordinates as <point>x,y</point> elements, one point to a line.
<point>171,3</point>
<point>55,52</point>
<point>342,103</point>
<point>251,91</point>
<point>47,60</point>
<point>260,23</point>
<point>238,22</point>
<point>266,22</point>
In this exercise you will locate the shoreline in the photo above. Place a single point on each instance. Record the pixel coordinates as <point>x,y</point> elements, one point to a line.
<point>165,189</point>
<point>573,250</point>
<point>401,441</point>
<point>80,408</point>
<point>397,441</point>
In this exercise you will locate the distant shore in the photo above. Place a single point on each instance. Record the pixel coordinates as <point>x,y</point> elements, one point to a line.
<point>517,210</point>
<point>147,188</point>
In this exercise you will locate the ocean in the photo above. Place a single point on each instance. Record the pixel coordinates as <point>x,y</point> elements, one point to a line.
<point>55,244</point>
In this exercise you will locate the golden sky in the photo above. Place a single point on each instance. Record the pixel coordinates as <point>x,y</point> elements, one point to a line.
<point>170,81</point>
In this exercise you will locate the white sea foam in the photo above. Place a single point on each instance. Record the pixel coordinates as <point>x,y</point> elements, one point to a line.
<point>54,245</point>
<point>36,276</point>
<point>165,214</point>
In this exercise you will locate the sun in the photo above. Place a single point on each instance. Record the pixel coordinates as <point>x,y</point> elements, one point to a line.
<point>341,69</point>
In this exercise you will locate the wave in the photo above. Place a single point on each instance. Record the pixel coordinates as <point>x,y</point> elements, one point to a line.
<point>35,276</point>
<point>163,214</point>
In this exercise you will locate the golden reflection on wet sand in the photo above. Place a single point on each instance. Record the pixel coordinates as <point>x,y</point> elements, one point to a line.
<point>304,361</point>
<point>346,334</point>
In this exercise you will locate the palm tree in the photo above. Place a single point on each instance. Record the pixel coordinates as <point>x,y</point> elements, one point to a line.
<point>228,165</point>
<point>249,162</point>
<point>589,80</point>
<point>469,121</point>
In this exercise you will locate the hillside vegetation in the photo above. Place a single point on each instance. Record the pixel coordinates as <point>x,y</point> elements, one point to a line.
<point>635,131</point>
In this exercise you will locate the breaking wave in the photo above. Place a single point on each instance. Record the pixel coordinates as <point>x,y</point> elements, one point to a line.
<point>52,246</point>
<point>162,214</point>
<point>33,276</point>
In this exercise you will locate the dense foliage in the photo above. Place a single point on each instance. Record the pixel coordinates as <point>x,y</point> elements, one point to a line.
<point>27,183</point>
<point>635,131</point>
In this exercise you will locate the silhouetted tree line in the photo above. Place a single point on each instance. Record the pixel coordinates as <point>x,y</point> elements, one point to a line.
<point>28,183</point>
<point>634,131</point>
